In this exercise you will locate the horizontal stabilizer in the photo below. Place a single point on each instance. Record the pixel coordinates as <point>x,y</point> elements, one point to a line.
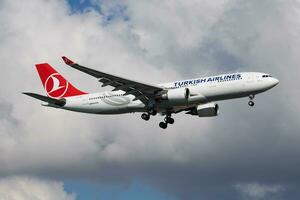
<point>58,102</point>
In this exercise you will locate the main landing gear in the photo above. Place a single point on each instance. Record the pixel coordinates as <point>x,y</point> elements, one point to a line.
<point>146,116</point>
<point>251,102</point>
<point>168,120</point>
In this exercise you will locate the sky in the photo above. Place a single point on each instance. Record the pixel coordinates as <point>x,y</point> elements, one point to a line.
<point>244,153</point>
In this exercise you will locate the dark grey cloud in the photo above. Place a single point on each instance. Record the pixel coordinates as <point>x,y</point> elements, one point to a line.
<point>243,153</point>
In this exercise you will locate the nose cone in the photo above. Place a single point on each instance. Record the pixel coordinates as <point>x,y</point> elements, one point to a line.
<point>274,82</point>
<point>271,82</point>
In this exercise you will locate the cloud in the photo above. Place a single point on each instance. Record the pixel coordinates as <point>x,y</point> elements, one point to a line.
<point>259,191</point>
<point>28,188</point>
<point>159,42</point>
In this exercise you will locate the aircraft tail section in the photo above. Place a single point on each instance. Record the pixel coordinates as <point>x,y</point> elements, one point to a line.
<point>55,85</point>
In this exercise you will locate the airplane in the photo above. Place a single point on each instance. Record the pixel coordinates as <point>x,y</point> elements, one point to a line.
<point>193,96</point>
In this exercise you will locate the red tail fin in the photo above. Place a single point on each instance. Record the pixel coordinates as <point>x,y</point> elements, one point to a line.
<point>56,86</point>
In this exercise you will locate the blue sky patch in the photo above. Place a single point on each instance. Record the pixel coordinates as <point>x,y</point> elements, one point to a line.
<point>110,12</point>
<point>136,191</point>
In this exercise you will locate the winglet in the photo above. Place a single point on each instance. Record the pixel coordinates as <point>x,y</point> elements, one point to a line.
<point>68,61</point>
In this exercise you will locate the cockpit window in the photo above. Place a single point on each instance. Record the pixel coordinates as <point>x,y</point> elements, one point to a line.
<point>265,76</point>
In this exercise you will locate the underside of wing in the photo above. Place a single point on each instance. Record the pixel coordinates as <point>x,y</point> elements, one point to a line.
<point>142,91</point>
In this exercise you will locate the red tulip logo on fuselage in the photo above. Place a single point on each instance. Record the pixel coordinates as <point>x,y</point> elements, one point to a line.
<point>56,86</point>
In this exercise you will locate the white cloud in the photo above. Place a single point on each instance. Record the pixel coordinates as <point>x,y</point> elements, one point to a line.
<point>65,138</point>
<point>28,188</point>
<point>259,191</point>
<point>162,25</point>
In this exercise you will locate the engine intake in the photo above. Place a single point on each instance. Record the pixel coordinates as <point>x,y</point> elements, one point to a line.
<point>176,96</point>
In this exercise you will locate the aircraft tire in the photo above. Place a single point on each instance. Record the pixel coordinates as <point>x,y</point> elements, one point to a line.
<point>153,112</point>
<point>163,125</point>
<point>251,103</point>
<point>170,120</point>
<point>145,116</point>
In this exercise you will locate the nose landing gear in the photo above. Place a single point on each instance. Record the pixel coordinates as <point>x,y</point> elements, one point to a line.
<point>251,102</point>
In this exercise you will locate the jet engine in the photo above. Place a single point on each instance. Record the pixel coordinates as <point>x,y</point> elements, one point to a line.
<point>176,96</point>
<point>205,110</point>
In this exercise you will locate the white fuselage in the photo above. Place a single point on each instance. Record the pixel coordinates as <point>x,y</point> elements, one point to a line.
<point>202,90</point>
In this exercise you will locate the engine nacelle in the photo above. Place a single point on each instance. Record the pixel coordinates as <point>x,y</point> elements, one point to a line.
<point>206,110</point>
<point>176,96</point>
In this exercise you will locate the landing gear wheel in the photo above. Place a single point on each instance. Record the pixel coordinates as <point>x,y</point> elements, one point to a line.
<point>153,112</point>
<point>251,97</point>
<point>145,116</point>
<point>170,120</point>
<point>163,125</point>
<point>251,103</point>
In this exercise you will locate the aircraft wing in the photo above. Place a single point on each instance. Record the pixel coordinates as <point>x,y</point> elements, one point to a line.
<point>142,91</point>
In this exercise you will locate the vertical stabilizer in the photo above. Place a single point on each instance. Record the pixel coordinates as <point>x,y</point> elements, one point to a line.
<point>55,85</point>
